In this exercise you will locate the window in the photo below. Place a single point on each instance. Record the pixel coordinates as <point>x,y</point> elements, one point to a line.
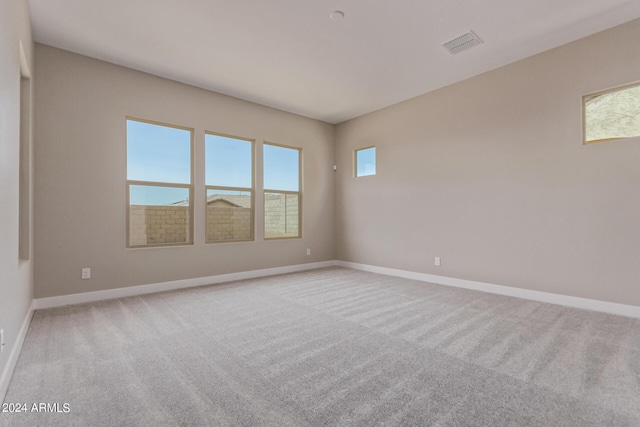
<point>229,186</point>
<point>612,114</point>
<point>365,161</point>
<point>159,184</point>
<point>282,195</point>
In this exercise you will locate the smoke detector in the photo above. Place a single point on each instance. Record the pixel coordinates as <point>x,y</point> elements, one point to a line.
<point>463,42</point>
<point>336,15</point>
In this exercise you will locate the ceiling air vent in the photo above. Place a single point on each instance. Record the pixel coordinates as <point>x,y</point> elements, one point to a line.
<point>464,42</point>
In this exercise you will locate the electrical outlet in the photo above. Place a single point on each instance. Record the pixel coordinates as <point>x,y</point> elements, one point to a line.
<point>308,251</point>
<point>1,340</point>
<point>436,261</point>
<point>86,273</point>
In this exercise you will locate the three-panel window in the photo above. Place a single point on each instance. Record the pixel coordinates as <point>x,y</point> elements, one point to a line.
<point>160,187</point>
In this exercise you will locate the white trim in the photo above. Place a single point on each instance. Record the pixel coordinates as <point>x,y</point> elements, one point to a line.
<point>60,301</point>
<point>15,354</point>
<point>566,300</point>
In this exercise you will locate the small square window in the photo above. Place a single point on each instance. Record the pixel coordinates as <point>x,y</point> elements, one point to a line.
<point>612,114</point>
<point>365,161</point>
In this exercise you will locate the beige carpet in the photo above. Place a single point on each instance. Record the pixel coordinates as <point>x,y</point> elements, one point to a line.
<point>330,347</point>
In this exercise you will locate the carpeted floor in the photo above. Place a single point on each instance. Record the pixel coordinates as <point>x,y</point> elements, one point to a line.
<point>329,347</point>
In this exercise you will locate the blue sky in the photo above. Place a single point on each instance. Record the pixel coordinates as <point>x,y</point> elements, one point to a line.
<point>158,153</point>
<point>162,154</point>
<point>366,161</point>
<point>281,168</point>
<point>227,161</point>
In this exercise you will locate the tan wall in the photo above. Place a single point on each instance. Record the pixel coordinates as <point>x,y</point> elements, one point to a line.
<point>156,225</point>
<point>16,283</point>
<point>281,215</point>
<point>81,104</point>
<point>228,223</point>
<point>490,174</point>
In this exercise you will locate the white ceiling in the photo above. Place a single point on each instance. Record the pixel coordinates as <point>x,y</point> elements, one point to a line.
<point>290,55</point>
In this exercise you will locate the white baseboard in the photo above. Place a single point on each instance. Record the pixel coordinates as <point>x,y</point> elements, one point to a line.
<point>570,301</point>
<point>15,354</point>
<point>84,297</point>
<point>577,302</point>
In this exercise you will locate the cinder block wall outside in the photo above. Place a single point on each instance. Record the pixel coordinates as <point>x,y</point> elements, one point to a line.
<point>281,215</point>
<point>153,225</point>
<point>228,223</point>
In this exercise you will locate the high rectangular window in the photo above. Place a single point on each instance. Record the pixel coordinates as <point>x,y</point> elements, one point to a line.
<point>612,114</point>
<point>229,177</point>
<point>159,184</point>
<point>282,169</point>
<point>365,161</point>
